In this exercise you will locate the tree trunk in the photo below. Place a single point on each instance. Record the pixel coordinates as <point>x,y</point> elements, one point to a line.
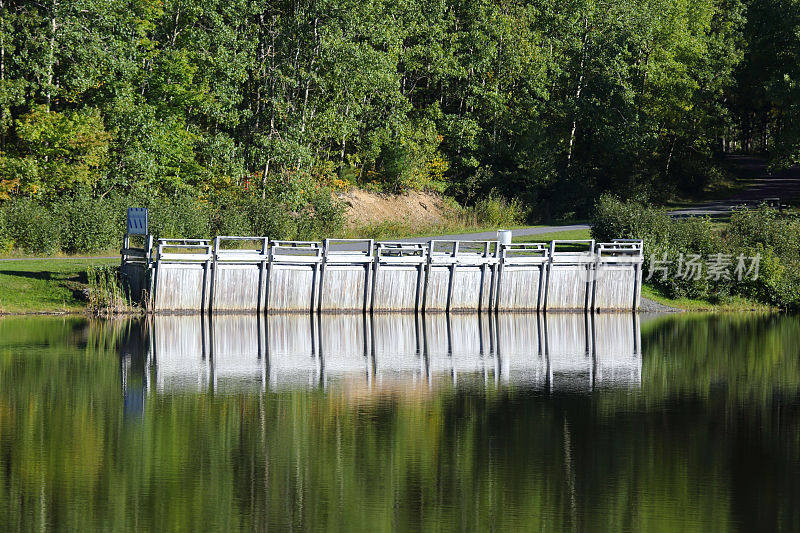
<point>51,56</point>
<point>578,91</point>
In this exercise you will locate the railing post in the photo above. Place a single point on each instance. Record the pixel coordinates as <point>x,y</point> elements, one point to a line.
<point>452,276</point>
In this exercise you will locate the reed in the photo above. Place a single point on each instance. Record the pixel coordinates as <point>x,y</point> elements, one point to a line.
<point>106,293</point>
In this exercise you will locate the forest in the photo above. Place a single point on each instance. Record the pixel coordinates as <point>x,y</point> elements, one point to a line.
<point>260,109</point>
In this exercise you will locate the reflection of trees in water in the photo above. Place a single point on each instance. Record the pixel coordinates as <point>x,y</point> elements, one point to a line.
<point>709,440</point>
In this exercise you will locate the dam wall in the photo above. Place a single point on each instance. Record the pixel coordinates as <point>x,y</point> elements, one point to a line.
<point>256,275</point>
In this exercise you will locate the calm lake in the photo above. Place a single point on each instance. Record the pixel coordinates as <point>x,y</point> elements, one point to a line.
<point>350,423</point>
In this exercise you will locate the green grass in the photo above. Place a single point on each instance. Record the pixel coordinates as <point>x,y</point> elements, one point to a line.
<point>45,285</point>
<point>18,254</point>
<point>573,234</point>
<point>689,304</point>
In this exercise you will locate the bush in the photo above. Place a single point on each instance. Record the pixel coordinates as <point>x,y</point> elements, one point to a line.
<point>321,217</point>
<point>30,226</point>
<point>179,218</point>
<point>767,227</point>
<point>677,240</point>
<point>229,217</point>
<point>296,207</point>
<point>6,243</point>
<point>269,218</point>
<point>89,224</point>
<point>81,223</point>
<point>762,232</point>
<point>496,211</point>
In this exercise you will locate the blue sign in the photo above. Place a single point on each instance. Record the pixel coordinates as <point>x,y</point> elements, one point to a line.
<point>137,221</point>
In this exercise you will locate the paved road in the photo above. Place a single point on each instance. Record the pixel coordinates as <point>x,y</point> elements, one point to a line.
<point>762,185</point>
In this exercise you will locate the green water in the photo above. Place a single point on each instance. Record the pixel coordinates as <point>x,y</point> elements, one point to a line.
<point>704,434</point>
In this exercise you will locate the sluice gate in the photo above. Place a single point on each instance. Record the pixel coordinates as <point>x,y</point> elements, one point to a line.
<point>255,274</point>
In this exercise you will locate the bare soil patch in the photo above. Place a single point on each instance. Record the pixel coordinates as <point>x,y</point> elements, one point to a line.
<point>414,207</point>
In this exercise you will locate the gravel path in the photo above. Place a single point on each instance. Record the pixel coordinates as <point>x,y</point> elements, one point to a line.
<point>650,306</point>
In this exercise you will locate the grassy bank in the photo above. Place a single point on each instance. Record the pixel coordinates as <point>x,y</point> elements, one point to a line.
<point>728,304</point>
<point>46,285</point>
<point>574,234</point>
<point>392,230</point>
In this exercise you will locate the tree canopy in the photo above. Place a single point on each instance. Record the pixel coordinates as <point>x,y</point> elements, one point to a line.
<point>550,102</point>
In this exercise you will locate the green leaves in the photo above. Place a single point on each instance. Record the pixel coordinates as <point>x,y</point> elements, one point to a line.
<point>60,150</point>
<point>549,102</point>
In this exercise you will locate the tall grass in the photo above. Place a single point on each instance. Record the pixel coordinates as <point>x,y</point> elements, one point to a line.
<point>106,294</point>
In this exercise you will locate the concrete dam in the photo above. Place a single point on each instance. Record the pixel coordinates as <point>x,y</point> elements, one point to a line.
<point>258,275</point>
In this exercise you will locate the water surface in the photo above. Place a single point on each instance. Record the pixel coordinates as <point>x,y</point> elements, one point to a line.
<point>400,422</point>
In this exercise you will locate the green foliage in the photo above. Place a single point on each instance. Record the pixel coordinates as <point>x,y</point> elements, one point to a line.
<point>777,238</point>
<point>551,105</point>
<point>82,223</point>
<point>177,217</point>
<point>88,224</point>
<point>31,226</point>
<point>763,232</point>
<point>6,242</point>
<point>663,238</point>
<point>541,102</point>
<point>496,211</point>
<point>767,100</point>
<point>60,150</point>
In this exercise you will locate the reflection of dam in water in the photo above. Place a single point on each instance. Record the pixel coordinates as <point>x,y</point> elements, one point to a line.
<point>278,352</point>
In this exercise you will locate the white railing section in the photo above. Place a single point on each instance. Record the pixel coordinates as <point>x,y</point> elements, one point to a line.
<point>618,275</point>
<point>460,275</point>
<point>569,274</point>
<point>398,276</point>
<point>346,274</point>
<point>521,277</point>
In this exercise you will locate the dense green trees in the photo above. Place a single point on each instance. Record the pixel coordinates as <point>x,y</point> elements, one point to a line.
<point>552,102</point>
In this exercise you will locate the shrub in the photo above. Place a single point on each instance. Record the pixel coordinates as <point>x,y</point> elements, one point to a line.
<point>89,224</point>
<point>496,211</point>
<point>765,226</point>
<point>6,244</point>
<point>30,226</point>
<point>664,237</point>
<point>614,219</point>
<point>182,217</point>
<point>321,217</point>
<point>269,218</point>
<point>763,232</point>
<point>229,217</point>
